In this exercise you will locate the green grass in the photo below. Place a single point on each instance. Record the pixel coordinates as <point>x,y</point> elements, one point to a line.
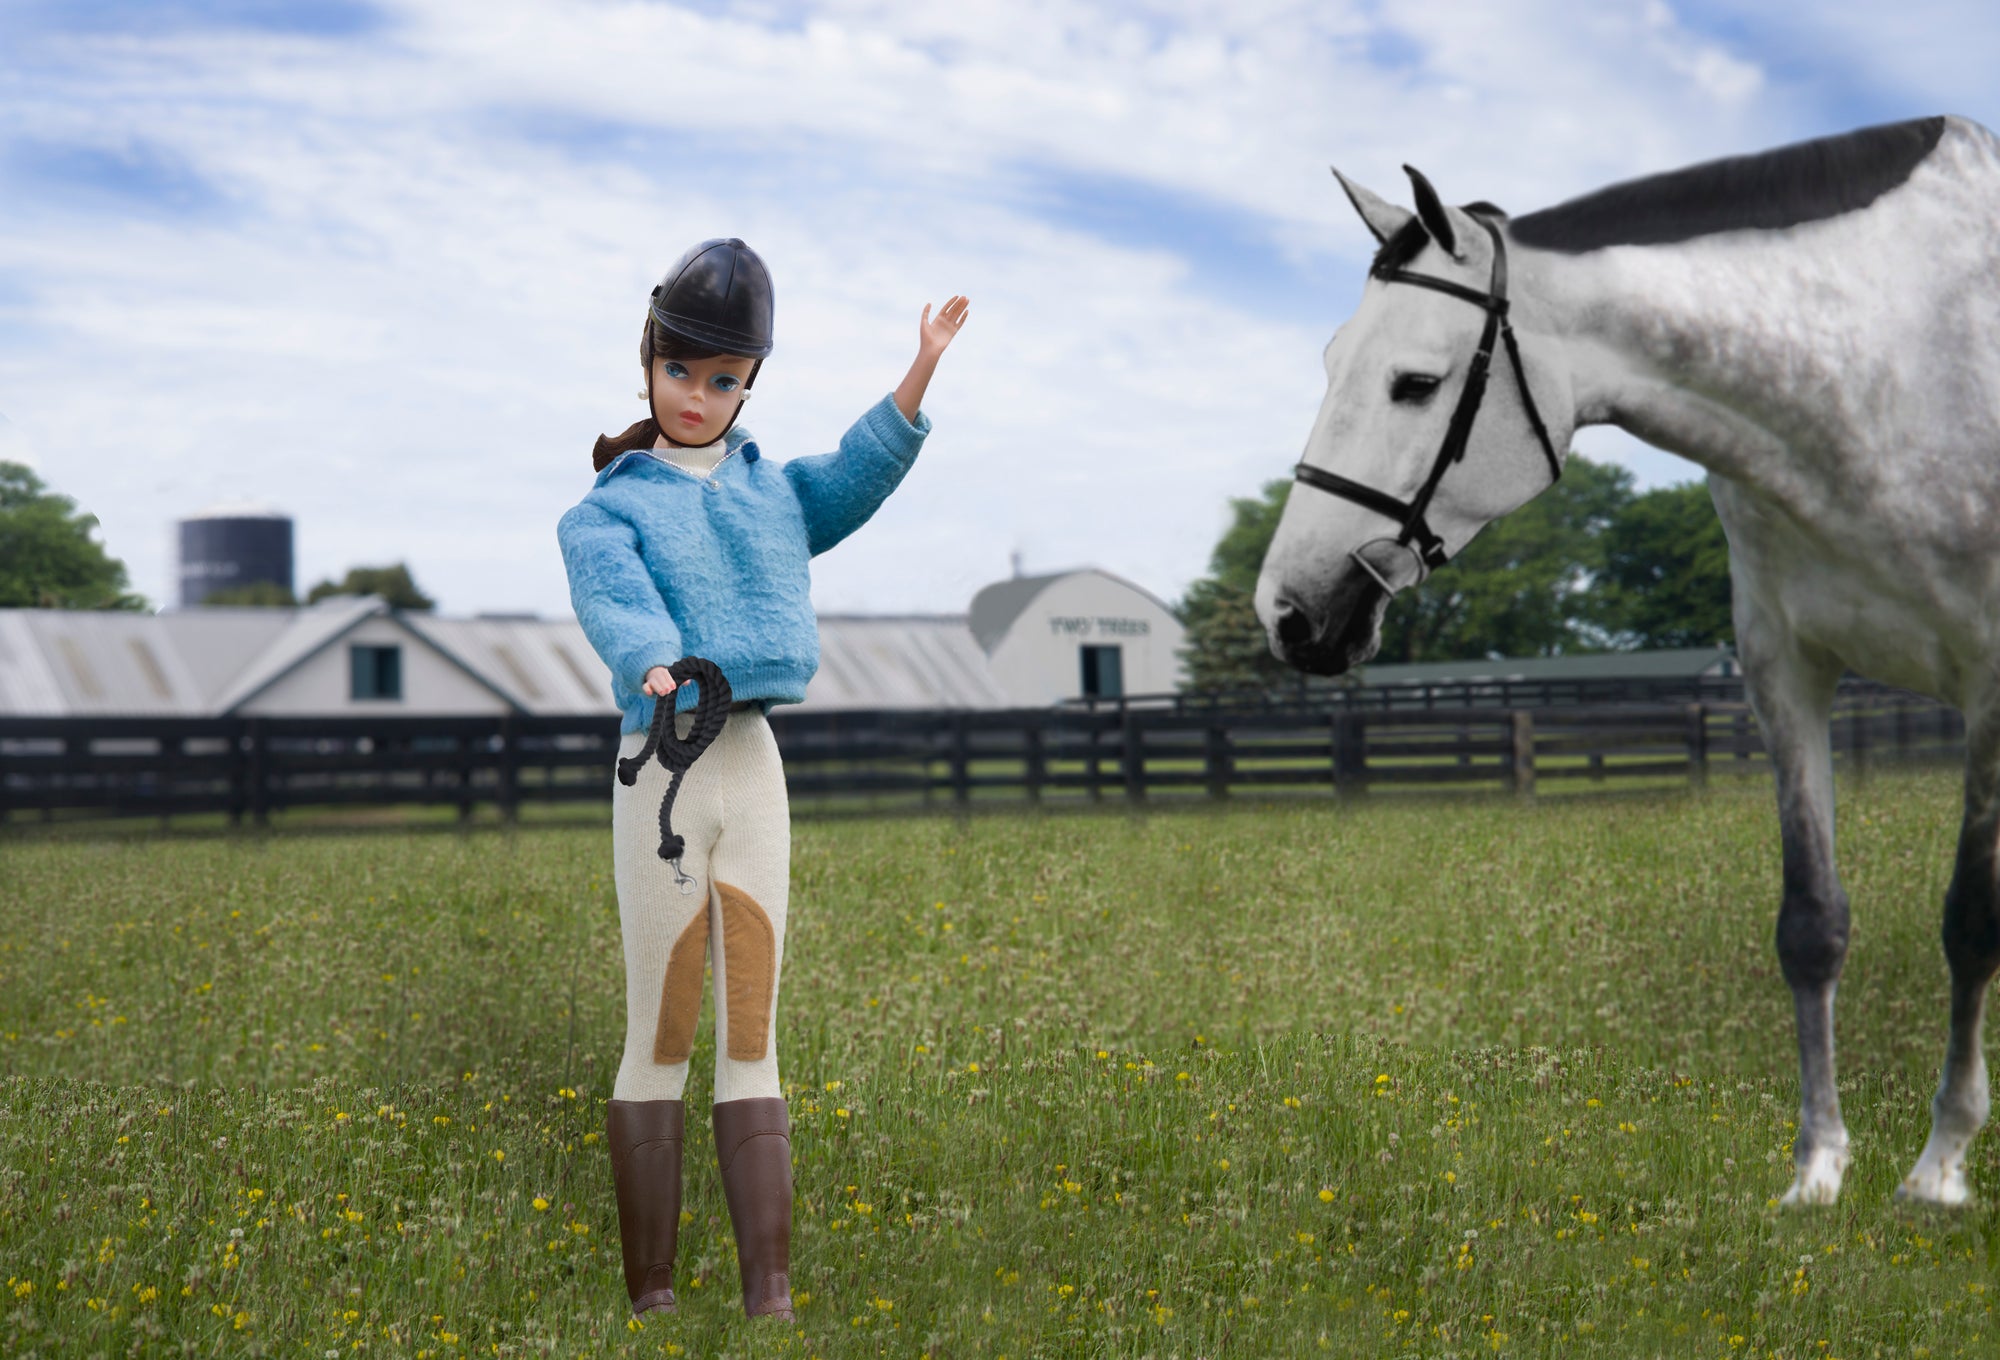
<point>1429,1077</point>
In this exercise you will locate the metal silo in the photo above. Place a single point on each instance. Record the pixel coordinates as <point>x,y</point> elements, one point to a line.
<point>237,543</point>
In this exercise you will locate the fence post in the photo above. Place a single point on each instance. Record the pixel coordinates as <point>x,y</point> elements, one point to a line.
<point>1035,759</point>
<point>1133,758</point>
<point>1697,742</point>
<point>467,746</point>
<point>1521,770</point>
<point>1217,759</point>
<point>255,773</point>
<point>1350,753</point>
<point>510,768</point>
<point>961,774</point>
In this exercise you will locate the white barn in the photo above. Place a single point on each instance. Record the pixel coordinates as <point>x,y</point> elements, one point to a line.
<point>1077,634</point>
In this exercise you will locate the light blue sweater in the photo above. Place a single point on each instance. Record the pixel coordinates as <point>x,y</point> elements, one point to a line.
<point>664,563</point>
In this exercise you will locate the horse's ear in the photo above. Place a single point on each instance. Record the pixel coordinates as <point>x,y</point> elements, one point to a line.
<point>1430,208</point>
<point>1384,218</point>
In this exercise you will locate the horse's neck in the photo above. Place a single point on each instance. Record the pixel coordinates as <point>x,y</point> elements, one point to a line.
<point>1840,352</point>
<point>1737,354</point>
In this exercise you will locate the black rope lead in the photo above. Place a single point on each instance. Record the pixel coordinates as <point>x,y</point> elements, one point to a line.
<point>711,711</point>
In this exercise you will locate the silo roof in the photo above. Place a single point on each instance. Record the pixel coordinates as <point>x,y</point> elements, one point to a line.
<point>239,509</point>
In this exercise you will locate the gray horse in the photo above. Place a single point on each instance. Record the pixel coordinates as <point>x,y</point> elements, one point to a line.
<point>1818,327</point>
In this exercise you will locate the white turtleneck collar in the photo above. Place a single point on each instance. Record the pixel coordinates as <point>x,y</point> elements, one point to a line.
<point>699,460</point>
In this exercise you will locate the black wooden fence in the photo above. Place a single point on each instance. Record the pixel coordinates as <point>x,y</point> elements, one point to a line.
<point>1135,750</point>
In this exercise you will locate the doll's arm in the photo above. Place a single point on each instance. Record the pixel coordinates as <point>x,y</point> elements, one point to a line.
<point>932,337</point>
<point>614,595</point>
<point>838,491</point>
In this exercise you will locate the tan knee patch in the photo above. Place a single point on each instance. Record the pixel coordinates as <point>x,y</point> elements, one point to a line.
<point>750,954</point>
<point>680,993</point>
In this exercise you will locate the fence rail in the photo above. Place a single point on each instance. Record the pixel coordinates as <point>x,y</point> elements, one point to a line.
<point>252,767</point>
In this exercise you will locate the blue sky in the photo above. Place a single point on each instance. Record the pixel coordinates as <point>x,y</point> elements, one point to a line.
<point>382,264</point>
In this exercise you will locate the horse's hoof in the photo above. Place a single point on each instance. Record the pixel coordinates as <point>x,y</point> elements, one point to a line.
<point>1810,1192</point>
<point>1935,1185</point>
<point>1818,1179</point>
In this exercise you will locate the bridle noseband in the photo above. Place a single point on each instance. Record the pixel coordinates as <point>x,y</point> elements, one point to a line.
<point>1429,549</point>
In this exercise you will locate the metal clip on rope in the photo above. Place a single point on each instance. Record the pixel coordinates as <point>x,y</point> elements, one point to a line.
<point>711,711</point>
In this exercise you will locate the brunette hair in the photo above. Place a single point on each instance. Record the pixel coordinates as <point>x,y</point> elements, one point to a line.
<point>655,341</point>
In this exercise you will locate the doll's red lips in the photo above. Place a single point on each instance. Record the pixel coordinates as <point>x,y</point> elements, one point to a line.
<point>690,418</point>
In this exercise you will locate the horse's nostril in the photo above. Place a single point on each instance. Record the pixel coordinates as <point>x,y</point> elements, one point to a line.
<point>1293,627</point>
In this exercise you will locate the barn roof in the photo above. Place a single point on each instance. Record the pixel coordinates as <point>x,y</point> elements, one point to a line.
<point>900,661</point>
<point>212,661</point>
<point>543,666</point>
<point>995,608</point>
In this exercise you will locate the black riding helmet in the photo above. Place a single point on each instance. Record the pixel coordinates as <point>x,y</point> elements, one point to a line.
<point>716,298</point>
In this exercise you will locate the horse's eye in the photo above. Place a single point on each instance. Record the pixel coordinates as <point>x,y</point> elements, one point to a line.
<point>1413,388</point>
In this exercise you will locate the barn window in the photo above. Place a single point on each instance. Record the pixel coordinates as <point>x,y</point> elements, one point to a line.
<point>377,672</point>
<point>1103,672</point>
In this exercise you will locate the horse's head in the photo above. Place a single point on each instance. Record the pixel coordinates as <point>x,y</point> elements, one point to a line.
<point>1414,451</point>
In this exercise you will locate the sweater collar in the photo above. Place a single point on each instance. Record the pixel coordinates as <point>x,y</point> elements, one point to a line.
<point>737,441</point>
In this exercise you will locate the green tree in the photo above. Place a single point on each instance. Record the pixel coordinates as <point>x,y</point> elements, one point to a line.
<point>391,583</point>
<point>1521,587</point>
<point>48,560</point>
<point>1665,578</point>
<point>264,593</point>
<point>1225,646</point>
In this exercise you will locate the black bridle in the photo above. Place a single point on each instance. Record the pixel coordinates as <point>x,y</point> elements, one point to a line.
<point>1410,514</point>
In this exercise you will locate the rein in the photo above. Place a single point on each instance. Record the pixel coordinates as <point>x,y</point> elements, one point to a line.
<point>1429,550</point>
<point>711,711</point>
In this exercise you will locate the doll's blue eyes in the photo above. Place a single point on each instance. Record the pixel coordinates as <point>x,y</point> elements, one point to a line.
<point>721,382</point>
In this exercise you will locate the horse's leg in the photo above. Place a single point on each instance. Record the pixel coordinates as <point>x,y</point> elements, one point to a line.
<point>1792,693</point>
<point>1972,949</point>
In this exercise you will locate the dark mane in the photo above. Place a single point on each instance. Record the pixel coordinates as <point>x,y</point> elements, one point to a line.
<point>1792,184</point>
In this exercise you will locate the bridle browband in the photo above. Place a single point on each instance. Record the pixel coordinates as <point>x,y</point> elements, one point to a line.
<point>1410,514</point>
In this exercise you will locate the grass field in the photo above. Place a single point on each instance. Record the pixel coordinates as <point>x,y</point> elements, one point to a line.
<point>1440,1078</point>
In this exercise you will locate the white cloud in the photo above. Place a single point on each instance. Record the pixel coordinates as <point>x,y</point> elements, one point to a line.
<point>418,300</point>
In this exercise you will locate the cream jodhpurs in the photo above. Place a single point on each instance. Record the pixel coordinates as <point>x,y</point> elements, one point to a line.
<point>734,816</point>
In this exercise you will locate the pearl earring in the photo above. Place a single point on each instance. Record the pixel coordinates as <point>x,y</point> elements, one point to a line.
<point>640,395</point>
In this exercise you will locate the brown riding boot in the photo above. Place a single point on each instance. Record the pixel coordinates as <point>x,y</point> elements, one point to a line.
<point>753,1146</point>
<point>645,1138</point>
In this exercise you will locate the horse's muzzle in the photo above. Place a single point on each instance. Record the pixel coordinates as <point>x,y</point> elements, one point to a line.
<point>1336,641</point>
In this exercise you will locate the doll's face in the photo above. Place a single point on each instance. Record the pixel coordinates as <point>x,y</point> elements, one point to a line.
<point>693,399</point>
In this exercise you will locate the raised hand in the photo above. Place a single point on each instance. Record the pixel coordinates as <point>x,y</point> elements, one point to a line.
<point>933,334</point>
